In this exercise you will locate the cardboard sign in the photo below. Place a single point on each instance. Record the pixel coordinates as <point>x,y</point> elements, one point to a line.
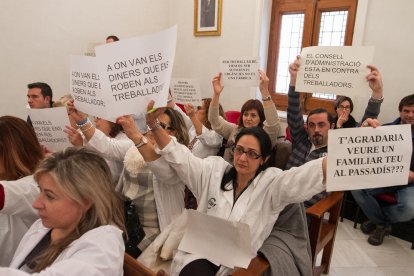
<point>186,91</point>
<point>361,158</point>
<point>239,71</point>
<point>49,123</point>
<point>136,70</point>
<point>334,70</point>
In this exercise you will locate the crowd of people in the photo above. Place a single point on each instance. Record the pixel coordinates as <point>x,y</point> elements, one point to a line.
<point>64,212</point>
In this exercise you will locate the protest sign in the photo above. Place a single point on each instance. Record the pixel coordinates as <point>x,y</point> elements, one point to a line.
<point>136,70</point>
<point>334,70</point>
<point>85,86</point>
<point>239,71</point>
<point>186,91</point>
<point>49,123</point>
<point>219,240</point>
<point>361,158</point>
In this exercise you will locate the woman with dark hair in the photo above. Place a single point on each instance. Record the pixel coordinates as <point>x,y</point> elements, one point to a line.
<point>106,137</point>
<point>248,190</point>
<point>158,200</point>
<point>20,153</point>
<point>81,225</point>
<point>253,113</point>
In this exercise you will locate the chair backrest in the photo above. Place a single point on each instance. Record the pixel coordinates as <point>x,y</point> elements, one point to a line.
<point>233,116</point>
<point>134,268</point>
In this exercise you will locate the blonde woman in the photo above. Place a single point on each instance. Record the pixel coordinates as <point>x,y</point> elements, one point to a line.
<point>81,219</point>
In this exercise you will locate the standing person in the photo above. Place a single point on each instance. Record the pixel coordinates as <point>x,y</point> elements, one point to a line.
<point>39,95</point>
<point>310,140</point>
<point>253,113</point>
<point>248,190</point>
<point>81,219</point>
<point>380,217</point>
<point>20,153</point>
<point>208,13</point>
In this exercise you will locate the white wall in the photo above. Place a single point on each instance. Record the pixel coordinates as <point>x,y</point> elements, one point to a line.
<point>39,36</point>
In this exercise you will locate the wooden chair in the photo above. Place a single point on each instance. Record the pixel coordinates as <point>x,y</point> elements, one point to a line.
<point>134,268</point>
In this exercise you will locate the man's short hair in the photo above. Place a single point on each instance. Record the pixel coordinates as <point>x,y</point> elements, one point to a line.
<point>406,101</point>
<point>113,37</point>
<point>44,88</point>
<point>318,111</point>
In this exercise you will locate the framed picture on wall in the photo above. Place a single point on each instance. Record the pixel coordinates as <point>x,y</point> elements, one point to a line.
<point>207,17</point>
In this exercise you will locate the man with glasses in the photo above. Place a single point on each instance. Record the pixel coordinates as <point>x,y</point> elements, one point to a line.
<point>310,140</point>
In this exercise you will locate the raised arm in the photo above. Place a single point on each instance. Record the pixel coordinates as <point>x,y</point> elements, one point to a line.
<point>272,123</point>
<point>295,120</point>
<point>217,122</point>
<point>374,103</point>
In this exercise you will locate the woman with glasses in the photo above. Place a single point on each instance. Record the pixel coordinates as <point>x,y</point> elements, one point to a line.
<point>344,105</point>
<point>253,113</point>
<point>248,190</point>
<point>158,199</point>
<point>106,137</point>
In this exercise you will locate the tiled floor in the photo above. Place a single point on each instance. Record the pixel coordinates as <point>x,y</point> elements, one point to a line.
<point>354,256</point>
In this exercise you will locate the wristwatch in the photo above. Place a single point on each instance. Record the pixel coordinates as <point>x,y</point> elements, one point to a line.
<point>143,141</point>
<point>268,98</point>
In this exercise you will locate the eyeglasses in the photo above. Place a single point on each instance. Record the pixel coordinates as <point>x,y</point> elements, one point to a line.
<point>164,126</point>
<point>251,154</point>
<point>344,107</point>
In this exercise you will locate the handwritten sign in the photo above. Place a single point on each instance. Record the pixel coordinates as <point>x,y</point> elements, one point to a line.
<point>361,158</point>
<point>136,70</point>
<point>334,70</point>
<point>49,123</point>
<point>239,71</point>
<point>186,91</point>
<point>85,86</point>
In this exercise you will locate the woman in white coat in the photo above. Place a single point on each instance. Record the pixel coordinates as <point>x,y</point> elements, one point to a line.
<point>20,153</point>
<point>249,191</point>
<point>81,219</point>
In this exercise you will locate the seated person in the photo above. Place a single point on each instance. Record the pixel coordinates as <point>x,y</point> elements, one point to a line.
<point>20,153</point>
<point>158,200</point>
<point>253,113</point>
<point>204,141</point>
<point>81,219</point>
<point>248,190</point>
<point>380,217</point>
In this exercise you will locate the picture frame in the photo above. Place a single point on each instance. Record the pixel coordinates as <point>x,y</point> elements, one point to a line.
<point>207,17</point>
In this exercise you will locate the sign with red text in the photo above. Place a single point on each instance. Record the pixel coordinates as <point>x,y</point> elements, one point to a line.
<point>136,70</point>
<point>49,123</point>
<point>365,157</point>
<point>85,86</point>
<point>186,91</point>
<point>334,69</point>
<point>239,71</point>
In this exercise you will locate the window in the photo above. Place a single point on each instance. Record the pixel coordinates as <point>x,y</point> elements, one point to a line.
<point>301,23</point>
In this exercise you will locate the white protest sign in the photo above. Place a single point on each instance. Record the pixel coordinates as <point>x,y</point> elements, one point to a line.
<point>362,158</point>
<point>136,70</point>
<point>49,123</point>
<point>186,91</point>
<point>85,86</point>
<point>334,70</point>
<point>239,71</point>
<point>218,240</point>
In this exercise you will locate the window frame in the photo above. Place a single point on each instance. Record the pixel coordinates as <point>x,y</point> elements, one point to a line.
<point>312,9</point>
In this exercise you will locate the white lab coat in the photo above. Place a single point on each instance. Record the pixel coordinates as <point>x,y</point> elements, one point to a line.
<point>258,206</point>
<point>99,251</point>
<point>208,142</point>
<point>113,150</point>
<point>17,215</point>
